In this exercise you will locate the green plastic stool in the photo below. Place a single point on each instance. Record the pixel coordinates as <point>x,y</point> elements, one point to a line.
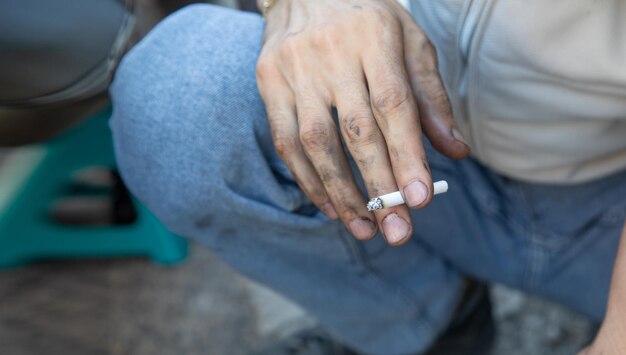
<point>35,176</point>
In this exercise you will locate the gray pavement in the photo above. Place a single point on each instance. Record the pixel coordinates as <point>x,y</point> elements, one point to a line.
<point>131,306</point>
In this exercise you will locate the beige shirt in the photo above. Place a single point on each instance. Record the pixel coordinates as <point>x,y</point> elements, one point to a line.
<point>537,86</point>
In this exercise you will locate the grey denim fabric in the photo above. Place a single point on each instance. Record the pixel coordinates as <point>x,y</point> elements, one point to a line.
<point>193,145</point>
<point>60,51</point>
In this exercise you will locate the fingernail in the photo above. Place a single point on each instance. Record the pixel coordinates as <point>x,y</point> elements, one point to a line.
<point>396,228</point>
<point>458,136</point>
<point>329,211</point>
<point>415,193</point>
<point>362,228</point>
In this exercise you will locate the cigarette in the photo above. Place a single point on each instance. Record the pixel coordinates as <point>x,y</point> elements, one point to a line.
<point>395,198</point>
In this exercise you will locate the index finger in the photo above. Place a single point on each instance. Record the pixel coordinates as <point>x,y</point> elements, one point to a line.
<point>397,116</point>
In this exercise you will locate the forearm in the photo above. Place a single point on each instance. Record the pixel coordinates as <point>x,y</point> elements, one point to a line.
<point>617,299</point>
<point>612,335</point>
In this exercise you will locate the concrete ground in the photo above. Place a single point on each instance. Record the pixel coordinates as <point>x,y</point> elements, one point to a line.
<point>131,306</point>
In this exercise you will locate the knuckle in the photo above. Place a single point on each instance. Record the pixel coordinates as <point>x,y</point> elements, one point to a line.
<point>265,67</point>
<point>316,137</point>
<point>360,128</point>
<point>284,140</point>
<point>390,99</point>
<point>425,65</point>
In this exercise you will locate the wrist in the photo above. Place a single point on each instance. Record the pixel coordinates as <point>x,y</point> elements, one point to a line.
<point>610,338</point>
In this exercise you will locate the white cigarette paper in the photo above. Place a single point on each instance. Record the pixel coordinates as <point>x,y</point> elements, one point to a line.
<point>395,198</point>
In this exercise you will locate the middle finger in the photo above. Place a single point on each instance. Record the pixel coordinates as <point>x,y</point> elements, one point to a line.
<point>369,150</point>
<point>321,144</point>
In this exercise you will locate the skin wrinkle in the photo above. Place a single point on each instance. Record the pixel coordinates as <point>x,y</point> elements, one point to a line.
<point>426,165</point>
<point>345,174</point>
<point>378,188</point>
<point>293,33</point>
<point>317,137</point>
<point>327,175</point>
<point>285,146</point>
<point>366,163</point>
<point>350,212</point>
<point>440,101</point>
<point>356,125</point>
<point>393,153</point>
<point>320,55</point>
<point>365,160</point>
<point>391,98</point>
<point>354,128</point>
<point>434,96</point>
<point>374,191</point>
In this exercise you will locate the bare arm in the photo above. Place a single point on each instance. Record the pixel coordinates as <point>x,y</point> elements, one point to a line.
<point>612,336</point>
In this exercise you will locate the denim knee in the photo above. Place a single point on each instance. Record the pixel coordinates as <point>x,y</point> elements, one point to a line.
<point>189,127</point>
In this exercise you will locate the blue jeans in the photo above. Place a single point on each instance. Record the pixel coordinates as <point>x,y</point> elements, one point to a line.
<point>194,146</point>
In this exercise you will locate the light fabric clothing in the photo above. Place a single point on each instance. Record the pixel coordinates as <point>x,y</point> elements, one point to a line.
<point>193,144</point>
<point>538,87</point>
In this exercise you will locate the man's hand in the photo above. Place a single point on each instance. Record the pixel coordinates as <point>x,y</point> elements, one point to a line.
<point>370,61</point>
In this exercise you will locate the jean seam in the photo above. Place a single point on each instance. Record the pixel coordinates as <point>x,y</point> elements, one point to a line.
<point>373,279</point>
<point>534,250</point>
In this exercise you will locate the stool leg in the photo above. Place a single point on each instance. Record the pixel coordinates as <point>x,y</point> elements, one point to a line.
<point>166,248</point>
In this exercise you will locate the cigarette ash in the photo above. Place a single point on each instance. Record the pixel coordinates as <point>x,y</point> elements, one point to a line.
<point>375,204</point>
